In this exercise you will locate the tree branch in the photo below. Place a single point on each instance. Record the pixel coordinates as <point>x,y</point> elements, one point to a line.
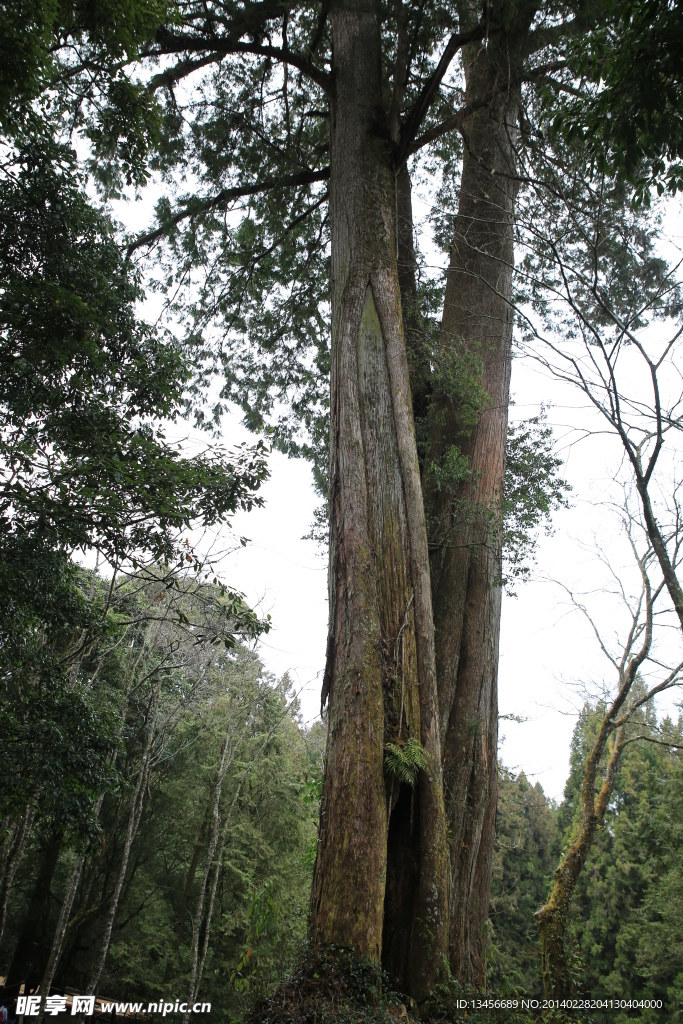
<point>456,121</point>
<point>195,208</point>
<point>169,42</point>
<point>181,70</point>
<point>424,101</point>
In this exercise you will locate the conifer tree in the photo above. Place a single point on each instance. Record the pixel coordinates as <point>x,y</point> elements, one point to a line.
<point>281,130</point>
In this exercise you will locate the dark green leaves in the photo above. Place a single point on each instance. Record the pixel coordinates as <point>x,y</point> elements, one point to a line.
<point>84,383</point>
<point>533,490</point>
<point>631,114</point>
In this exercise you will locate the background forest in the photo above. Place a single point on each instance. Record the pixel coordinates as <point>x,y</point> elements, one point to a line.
<point>624,928</point>
<point>165,810</point>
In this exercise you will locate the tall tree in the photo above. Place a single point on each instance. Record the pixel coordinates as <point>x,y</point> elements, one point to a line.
<point>306,115</point>
<point>593,276</point>
<point>84,465</point>
<point>640,675</point>
<point>524,858</point>
<point>621,933</point>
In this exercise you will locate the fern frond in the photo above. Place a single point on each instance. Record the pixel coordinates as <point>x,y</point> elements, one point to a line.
<point>405,761</point>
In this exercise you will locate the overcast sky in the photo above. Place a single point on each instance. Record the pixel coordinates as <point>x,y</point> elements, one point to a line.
<point>548,654</point>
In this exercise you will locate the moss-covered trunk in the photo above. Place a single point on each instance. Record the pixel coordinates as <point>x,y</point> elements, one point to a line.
<point>465,527</point>
<point>552,917</point>
<point>382,865</point>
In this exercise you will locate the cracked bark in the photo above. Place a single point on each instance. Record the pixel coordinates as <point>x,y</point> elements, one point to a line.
<point>380,675</point>
<point>465,537</point>
<point>552,917</point>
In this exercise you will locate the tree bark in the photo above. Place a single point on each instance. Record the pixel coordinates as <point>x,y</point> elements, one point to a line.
<point>552,918</point>
<point>14,853</point>
<point>60,930</point>
<point>134,816</point>
<point>228,751</point>
<point>171,965</point>
<point>31,951</point>
<point>380,674</point>
<point>465,526</point>
<point>417,348</point>
<point>659,546</point>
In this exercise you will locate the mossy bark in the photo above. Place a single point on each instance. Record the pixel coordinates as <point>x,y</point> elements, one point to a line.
<point>552,917</point>
<point>380,676</point>
<point>465,529</point>
<point>466,559</point>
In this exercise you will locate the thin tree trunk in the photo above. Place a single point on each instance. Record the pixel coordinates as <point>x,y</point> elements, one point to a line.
<point>64,914</point>
<point>131,831</point>
<point>30,952</point>
<point>552,918</point>
<point>187,890</point>
<point>419,361</point>
<point>465,527</point>
<point>214,887</point>
<point>15,852</point>
<point>9,832</point>
<point>197,965</point>
<point>226,757</point>
<point>198,970</point>
<point>199,908</point>
<point>380,673</point>
<point>659,546</point>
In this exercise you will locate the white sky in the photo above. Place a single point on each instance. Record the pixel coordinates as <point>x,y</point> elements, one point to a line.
<point>547,652</point>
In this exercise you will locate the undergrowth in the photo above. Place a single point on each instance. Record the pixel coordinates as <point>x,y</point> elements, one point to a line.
<point>334,987</point>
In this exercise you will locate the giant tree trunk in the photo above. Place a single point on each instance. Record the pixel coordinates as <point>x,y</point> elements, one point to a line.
<point>465,527</point>
<point>381,869</point>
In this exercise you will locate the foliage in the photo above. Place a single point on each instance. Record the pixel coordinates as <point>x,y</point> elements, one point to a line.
<point>257,259</point>
<point>38,38</point>
<point>617,922</point>
<point>56,730</point>
<point>532,491</point>
<point>404,761</point>
<point>592,264</point>
<point>242,154</point>
<point>632,117</point>
<point>337,986</point>
<point>166,656</point>
<point>83,383</point>
<point>524,858</point>
<point>624,928</point>
<point>84,464</point>
<point>623,932</point>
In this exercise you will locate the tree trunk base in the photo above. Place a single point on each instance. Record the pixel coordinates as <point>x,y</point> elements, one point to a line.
<point>334,986</point>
